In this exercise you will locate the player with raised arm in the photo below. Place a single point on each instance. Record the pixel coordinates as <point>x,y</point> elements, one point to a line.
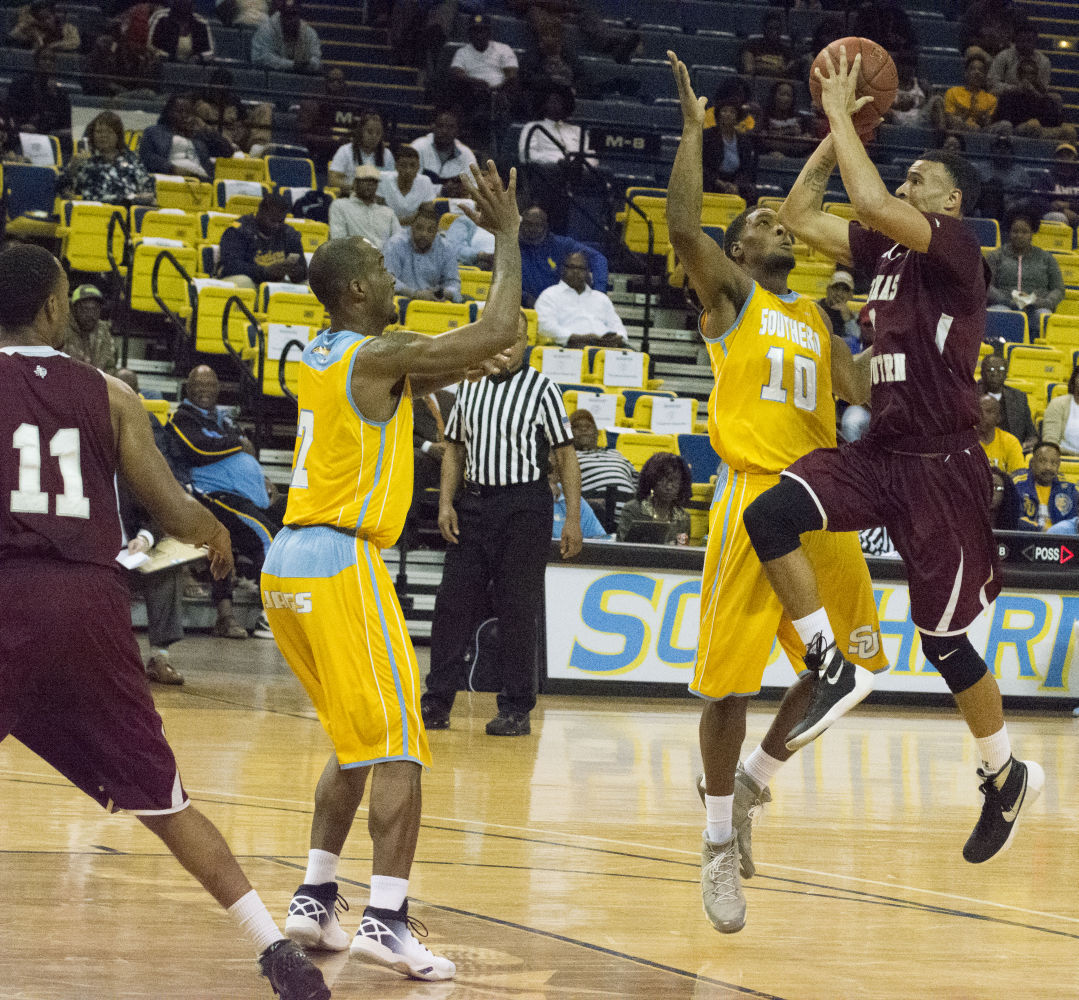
<point>329,598</point>
<point>919,470</point>
<point>72,685</point>
<point>775,362</point>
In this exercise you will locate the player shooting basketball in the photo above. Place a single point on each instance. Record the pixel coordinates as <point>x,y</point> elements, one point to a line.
<point>775,363</point>
<point>919,470</point>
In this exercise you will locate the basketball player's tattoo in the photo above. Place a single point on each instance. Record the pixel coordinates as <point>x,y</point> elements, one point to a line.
<point>816,181</point>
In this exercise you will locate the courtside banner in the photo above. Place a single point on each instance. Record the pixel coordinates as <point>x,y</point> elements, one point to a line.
<point>621,624</point>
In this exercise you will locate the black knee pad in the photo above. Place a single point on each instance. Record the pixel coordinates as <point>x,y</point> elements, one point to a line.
<point>956,660</point>
<point>777,518</point>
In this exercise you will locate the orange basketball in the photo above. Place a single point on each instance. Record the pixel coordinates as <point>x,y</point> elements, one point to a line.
<point>878,78</point>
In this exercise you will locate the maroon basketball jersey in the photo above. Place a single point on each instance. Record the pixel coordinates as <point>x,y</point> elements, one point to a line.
<point>57,460</point>
<point>928,314</point>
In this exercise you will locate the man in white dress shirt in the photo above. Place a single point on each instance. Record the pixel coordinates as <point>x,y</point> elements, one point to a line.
<point>360,214</point>
<point>443,158</point>
<point>574,314</point>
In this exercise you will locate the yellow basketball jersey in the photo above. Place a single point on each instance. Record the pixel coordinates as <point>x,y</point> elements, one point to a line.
<point>772,401</point>
<point>347,471</point>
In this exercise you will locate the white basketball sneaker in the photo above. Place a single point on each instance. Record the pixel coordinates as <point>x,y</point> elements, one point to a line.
<point>387,937</point>
<point>312,918</point>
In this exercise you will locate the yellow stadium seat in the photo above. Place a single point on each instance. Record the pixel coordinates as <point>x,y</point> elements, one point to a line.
<point>474,282</point>
<point>445,220</point>
<point>158,408</point>
<point>1069,267</point>
<point>698,523</point>
<point>1062,331</point>
<point>811,278</point>
<point>167,223</point>
<point>312,232</point>
<point>1036,363</point>
<point>1069,306</point>
<point>841,208</point>
<point>570,363</point>
<point>635,235</point>
<point>642,413</point>
<point>215,223</point>
<point>770,201</point>
<point>720,209</point>
<point>210,296</point>
<point>638,448</point>
<point>84,230</point>
<point>131,138</point>
<point>1069,469</point>
<point>282,302</point>
<point>241,197</point>
<point>572,397</point>
<point>277,337</point>
<point>1058,236</point>
<point>240,169</point>
<point>172,285</point>
<point>600,375</point>
<point>183,192</point>
<point>437,317</point>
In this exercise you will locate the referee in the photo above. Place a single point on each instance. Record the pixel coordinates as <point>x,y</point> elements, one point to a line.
<point>498,440</point>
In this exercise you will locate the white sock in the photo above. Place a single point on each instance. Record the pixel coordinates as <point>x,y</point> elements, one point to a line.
<point>160,653</point>
<point>813,625</point>
<point>720,826</point>
<point>321,867</point>
<point>762,767</point>
<point>995,750</point>
<point>388,893</point>
<point>255,921</point>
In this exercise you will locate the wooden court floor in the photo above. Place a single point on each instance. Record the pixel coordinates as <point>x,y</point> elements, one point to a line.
<point>560,865</point>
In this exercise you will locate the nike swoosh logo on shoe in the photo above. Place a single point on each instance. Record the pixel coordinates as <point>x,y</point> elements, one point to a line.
<point>833,677</point>
<point>945,656</point>
<point>1010,814</point>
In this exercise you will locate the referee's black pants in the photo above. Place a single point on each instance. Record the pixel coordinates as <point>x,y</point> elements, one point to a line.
<point>504,538</point>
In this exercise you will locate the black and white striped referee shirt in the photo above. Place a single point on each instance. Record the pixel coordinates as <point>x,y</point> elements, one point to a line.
<point>508,424</point>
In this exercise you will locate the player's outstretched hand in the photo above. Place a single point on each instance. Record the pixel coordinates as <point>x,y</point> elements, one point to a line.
<point>491,366</point>
<point>692,105</point>
<point>220,546</point>
<point>839,88</point>
<point>496,206</point>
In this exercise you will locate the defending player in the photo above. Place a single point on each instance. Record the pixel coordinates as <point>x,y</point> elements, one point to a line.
<point>72,686</point>
<point>919,470</point>
<point>775,362</point>
<point>328,596</point>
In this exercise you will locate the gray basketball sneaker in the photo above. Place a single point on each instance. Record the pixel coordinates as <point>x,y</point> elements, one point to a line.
<point>749,801</point>
<point>721,888</point>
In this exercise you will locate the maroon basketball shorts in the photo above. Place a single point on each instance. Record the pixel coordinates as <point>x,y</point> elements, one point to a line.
<point>936,510</point>
<point>73,689</point>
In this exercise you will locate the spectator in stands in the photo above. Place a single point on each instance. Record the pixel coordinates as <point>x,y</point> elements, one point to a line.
<point>988,24</point>
<point>549,150</point>
<point>418,30</point>
<point>1015,415</point>
<point>286,42</point>
<point>887,24</point>
<point>664,488</point>
<point>366,147</point>
<point>1004,69</point>
<point>590,526</point>
<point>1004,503</point>
<point>120,64</point>
<point>10,145</point>
<point>172,145</point>
<point>835,304</point>
<point>223,120</point>
<point>543,253</point>
<point>40,25</point>
<point>1004,182</point>
<point>1033,111</point>
<point>422,261</point>
<point>968,106</point>
<point>548,62</point>
<point>912,97</point>
<point>767,54</point>
<point>406,189</point>
<point>223,469</point>
<point>38,101</point>
<point>474,246</point>
<point>598,34</point>
<point>242,13</point>
<point>733,90</point>
<point>729,156</point>
<point>262,247</point>
<point>1060,426</point>
<point>1025,278</point>
<point>1001,448</point>
<point>602,469</point>
<point>323,119</point>
<point>1045,499</point>
<point>1063,186</point>
<point>443,157</point>
<point>483,72</point>
<point>575,315</point>
<point>781,122</point>
<point>108,171</point>
<point>88,337</point>
<point>361,214</point>
<point>181,35</point>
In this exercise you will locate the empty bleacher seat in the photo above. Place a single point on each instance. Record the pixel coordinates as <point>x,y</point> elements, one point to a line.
<point>243,168</point>
<point>284,302</point>
<point>187,193</point>
<point>699,455</point>
<point>84,231</point>
<point>1008,326</point>
<point>987,231</point>
<point>437,317</point>
<point>291,171</point>
<point>208,299</point>
<point>167,223</point>
<point>638,448</point>
<point>1058,236</point>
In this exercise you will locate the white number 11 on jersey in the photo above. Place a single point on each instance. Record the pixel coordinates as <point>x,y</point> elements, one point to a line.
<point>65,446</point>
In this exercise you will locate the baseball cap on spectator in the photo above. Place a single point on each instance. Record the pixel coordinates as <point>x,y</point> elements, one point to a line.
<point>1065,147</point>
<point>842,278</point>
<point>367,172</point>
<point>480,21</point>
<point>86,292</point>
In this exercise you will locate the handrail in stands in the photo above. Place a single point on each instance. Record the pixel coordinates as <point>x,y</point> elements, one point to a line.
<point>179,346</point>
<point>117,219</point>
<point>260,364</point>
<point>647,272</point>
<point>281,368</point>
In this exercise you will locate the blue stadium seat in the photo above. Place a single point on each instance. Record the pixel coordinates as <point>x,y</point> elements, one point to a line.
<point>632,395</point>
<point>716,232</point>
<point>697,452</point>
<point>987,230</point>
<point>29,189</point>
<point>693,50</point>
<point>706,79</point>
<point>291,171</point>
<point>1008,326</point>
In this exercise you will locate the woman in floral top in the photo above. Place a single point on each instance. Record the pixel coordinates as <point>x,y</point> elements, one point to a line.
<point>111,173</point>
<point>665,485</point>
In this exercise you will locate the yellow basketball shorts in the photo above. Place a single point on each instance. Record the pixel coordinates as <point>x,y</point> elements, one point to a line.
<point>741,616</point>
<point>336,618</point>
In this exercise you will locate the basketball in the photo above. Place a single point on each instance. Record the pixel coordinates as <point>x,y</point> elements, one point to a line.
<point>878,77</point>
